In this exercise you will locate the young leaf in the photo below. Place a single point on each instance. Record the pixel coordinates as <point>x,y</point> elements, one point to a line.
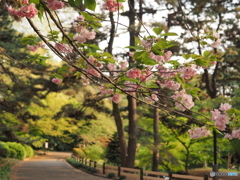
<point>170,34</point>
<point>157,30</point>
<point>90,4</point>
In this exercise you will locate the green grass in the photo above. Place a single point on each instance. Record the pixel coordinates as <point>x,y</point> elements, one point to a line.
<point>6,165</point>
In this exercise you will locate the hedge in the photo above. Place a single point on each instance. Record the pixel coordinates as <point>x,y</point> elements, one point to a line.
<point>21,152</point>
<point>4,150</point>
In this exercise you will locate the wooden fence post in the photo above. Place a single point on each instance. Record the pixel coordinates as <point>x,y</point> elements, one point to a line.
<point>119,170</point>
<point>205,177</point>
<point>141,173</point>
<point>85,162</point>
<point>90,163</point>
<point>103,168</point>
<point>170,175</point>
<point>95,164</point>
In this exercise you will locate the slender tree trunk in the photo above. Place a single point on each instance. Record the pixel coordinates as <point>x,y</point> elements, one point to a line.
<point>116,112</point>
<point>132,131</point>
<point>156,137</point>
<point>121,135</point>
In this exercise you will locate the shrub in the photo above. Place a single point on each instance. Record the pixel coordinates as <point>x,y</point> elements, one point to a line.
<point>93,170</point>
<point>111,175</point>
<point>13,153</point>
<point>78,152</point>
<point>4,150</point>
<point>4,171</point>
<point>74,163</point>
<point>21,153</point>
<point>29,151</point>
<point>122,177</point>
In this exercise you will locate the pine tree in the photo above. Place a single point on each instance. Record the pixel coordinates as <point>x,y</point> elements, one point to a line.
<point>113,150</point>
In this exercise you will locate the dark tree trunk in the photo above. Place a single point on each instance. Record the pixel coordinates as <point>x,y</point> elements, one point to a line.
<point>116,112</point>
<point>156,137</point>
<point>132,131</point>
<point>121,135</point>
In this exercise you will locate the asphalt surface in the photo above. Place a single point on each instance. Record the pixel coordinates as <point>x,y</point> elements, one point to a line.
<point>52,166</point>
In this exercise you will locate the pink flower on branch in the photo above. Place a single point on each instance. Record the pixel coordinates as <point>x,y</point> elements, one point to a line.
<point>57,80</point>
<point>134,73</point>
<point>199,132</point>
<point>116,98</point>
<point>183,101</point>
<point>112,5</point>
<point>54,4</point>
<point>225,107</point>
<point>28,11</point>
<point>63,48</point>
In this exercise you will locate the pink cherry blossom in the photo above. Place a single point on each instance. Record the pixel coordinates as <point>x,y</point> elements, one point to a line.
<point>147,75</point>
<point>225,107</point>
<point>170,84</point>
<point>216,43</point>
<point>131,54</point>
<point>79,38</point>
<point>57,80</point>
<point>35,47</point>
<point>112,67</point>
<point>63,48</point>
<point>105,91</point>
<point>167,56</point>
<point>80,18</point>
<point>123,65</point>
<point>183,101</point>
<point>221,119</point>
<point>116,98</point>
<point>147,44</point>
<point>215,114</point>
<point>228,136</point>
<point>29,11</point>
<point>93,72</point>
<point>134,73</point>
<point>199,132</point>
<point>188,72</point>
<point>216,35</point>
<point>236,133</point>
<point>25,1</point>
<point>112,5</point>
<point>54,4</point>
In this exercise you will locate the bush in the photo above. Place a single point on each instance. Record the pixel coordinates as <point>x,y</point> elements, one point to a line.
<point>29,151</point>
<point>74,163</point>
<point>78,152</point>
<point>92,170</point>
<point>21,153</point>
<point>13,153</point>
<point>111,175</point>
<point>122,177</point>
<point>4,171</point>
<point>4,150</point>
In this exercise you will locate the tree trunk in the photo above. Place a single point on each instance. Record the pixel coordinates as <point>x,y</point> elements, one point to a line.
<point>156,137</point>
<point>121,135</point>
<point>132,131</point>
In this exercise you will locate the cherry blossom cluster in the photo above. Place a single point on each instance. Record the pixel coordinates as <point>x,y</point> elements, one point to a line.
<point>220,116</point>
<point>63,48</point>
<point>82,32</point>
<point>35,47</point>
<point>54,4</point>
<point>112,5</point>
<point>183,100</point>
<point>234,134</point>
<point>199,132</point>
<point>57,80</point>
<point>28,11</point>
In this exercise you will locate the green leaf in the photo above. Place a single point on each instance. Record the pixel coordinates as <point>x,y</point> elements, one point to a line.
<point>207,53</point>
<point>201,62</point>
<point>138,47</point>
<point>63,69</point>
<point>78,2</point>
<point>35,1</point>
<point>169,34</point>
<point>186,56</point>
<point>90,4</point>
<point>203,43</point>
<point>157,30</point>
<point>148,61</point>
<point>162,44</point>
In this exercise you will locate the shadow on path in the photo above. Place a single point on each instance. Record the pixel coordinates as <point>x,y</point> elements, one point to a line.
<point>52,166</point>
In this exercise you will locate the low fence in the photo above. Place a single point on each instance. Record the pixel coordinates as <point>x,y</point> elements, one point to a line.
<point>133,173</point>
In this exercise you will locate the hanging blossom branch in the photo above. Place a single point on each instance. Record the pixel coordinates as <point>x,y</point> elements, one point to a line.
<point>145,76</point>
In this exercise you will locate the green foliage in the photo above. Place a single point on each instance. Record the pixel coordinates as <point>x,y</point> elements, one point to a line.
<point>4,150</point>
<point>112,153</point>
<point>21,152</point>
<point>93,152</point>
<point>29,151</point>
<point>13,153</point>
<point>5,169</point>
<point>122,177</point>
<point>74,163</point>
<point>111,175</point>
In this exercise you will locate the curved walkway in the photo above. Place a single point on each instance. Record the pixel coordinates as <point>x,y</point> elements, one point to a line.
<point>52,166</point>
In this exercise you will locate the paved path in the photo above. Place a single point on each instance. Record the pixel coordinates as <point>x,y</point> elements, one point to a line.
<point>52,166</point>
